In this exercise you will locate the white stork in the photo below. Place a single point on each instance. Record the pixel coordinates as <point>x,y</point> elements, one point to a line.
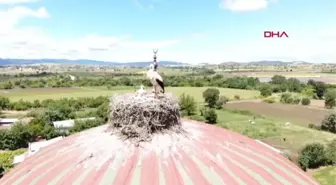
<point>156,80</point>
<point>141,90</point>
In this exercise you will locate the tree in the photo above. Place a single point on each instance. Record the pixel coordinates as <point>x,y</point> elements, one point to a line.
<point>312,156</point>
<point>210,115</point>
<point>211,95</point>
<point>188,104</point>
<point>330,152</point>
<point>286,98</point>
<point>311,82</point>
<point>330,101</point>
<point>308,91</point>
<point>265,90</point>
<point>329,123</point>
<point>294,85</point>
<point>320,89</point>
<point>103,112</point>
<point>278,79</point>
<point>58,112</point>
<point>221,101</point>
<point>4,103</point>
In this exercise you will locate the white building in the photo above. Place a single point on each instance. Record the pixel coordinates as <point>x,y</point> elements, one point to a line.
<point>7,122</point>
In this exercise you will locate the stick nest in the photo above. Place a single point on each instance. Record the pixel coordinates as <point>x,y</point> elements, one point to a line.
<point>138,116</point>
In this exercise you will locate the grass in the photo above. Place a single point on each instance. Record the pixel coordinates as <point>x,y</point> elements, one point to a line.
<point>7,157</point>
<point>326,175</point>
<point>168,71</point>
<point>58,93</point>
<point>271,130</point>
<point>297,74</point>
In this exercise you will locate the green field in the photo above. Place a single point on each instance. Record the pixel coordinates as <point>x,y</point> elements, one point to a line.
<point>326,175</point>
<point>268,129</point>
<point>272,130</point>
<point>58,93</point>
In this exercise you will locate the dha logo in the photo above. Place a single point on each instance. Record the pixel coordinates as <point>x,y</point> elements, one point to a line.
<point>271,34</point>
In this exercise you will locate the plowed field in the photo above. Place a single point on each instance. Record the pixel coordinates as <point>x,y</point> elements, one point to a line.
<point>297,113</point>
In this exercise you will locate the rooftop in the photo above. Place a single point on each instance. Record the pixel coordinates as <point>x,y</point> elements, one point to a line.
<point>207,155</point>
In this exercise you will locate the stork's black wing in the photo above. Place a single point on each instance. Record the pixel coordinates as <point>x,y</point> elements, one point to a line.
<point>161,85</point>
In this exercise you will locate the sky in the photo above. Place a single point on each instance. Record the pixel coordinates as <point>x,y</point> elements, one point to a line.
<point>197,31</point>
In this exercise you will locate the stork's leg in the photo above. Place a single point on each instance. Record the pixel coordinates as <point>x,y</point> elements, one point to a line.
<point>155,92</point>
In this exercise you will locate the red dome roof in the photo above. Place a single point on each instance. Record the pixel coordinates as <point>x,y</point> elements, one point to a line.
<point>207,155</point>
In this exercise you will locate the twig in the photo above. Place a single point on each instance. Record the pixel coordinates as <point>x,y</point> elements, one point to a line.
<point>138,117</point>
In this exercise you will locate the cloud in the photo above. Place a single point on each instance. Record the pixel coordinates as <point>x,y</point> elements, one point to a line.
<point>10,17</point>
<point>11,2</point>
<point>142,5</point>
<point>198,36</point>
<point>31,42</point>
<point>243,5</point>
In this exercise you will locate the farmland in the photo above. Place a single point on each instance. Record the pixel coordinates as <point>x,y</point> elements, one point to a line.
<point>58,93</point>
<point>295,113</point>
<point>272,130</point>
<point>283,126</point>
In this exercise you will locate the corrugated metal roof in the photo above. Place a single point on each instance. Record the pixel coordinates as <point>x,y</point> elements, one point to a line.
<point>206,155</point>
<point>19,158</point>
<point>7,120</point>
<point>36,146</point>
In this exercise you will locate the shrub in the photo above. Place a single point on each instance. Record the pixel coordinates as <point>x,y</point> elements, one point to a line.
<point>330,152</point>
<point>278,79</point>
<point>308,92</point>
<point>329,123</point>
<point>265,90</point>
<point>85,124</point>
<point>320,89</point>
<point>188,104</point>
<point>221,101</point>
<point>211,95</point>
<point>294,85</point>
<point>305,101</point>
<point>330,101</point>
<point>197,118</point>
<point>312,156</point>
<point>286,98</point>
<point>276,89</point>
<point>236,97</point>
<point>269,100</point>
<point>210,115</point>
<point>296,100</point>
<point>6,160</point>
<point>4,103</point>
<point>103,112</point>
<point>313,126</point>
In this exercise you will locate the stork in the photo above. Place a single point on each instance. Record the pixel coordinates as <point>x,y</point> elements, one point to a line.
<point>156,80</point>
<point>141,90</point>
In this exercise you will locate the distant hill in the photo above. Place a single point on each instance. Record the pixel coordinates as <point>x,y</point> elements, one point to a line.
<point>265,62</point>
<point>84,62</point>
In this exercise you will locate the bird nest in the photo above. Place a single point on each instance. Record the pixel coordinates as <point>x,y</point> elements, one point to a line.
<point>138,116</point>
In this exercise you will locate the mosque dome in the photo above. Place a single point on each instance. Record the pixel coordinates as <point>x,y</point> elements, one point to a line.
<point>206,155</point>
